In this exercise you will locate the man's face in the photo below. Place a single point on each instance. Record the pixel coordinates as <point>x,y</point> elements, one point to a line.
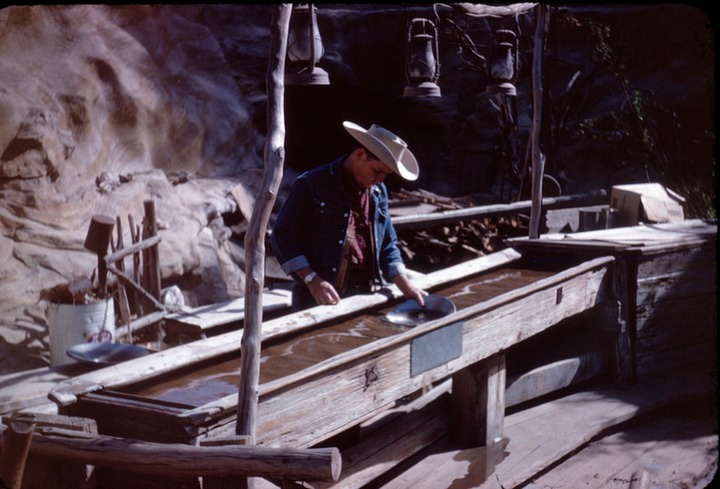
<point>370,170</point>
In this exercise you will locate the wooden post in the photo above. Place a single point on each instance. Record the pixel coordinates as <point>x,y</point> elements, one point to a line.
<point>255,237</point>
<point>15,449</point>
<point>151,262</point>
<point>151,268</point>
<point>538,158</point>
<point>136,238</point>
<point>478,403</point>
<point>122,299</point>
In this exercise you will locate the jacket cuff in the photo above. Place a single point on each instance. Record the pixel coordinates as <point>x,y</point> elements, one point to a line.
<point>395,269</point>
<point>293,265</point>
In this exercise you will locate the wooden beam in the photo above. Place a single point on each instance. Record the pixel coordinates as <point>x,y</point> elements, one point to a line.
<point>180,460</point>
<point>140,323</point>
<point>139,289</point>
<point>139,246</point>
<point>595,197</point>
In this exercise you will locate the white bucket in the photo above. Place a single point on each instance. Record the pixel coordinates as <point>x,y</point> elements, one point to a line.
<point>70,324</point>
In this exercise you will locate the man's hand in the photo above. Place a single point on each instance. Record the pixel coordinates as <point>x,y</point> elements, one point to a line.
<point>322,291</point>
<point>409,290</point>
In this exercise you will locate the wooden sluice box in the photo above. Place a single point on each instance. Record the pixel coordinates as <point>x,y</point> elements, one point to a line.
<point>329,368</point>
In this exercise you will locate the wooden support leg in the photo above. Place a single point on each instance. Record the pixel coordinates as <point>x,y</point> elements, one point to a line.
<point>15,449</point>
<point>478,403</point>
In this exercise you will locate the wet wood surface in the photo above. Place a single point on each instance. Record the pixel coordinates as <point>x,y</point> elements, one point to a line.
<point>291,355</point>
<point>191,354</point>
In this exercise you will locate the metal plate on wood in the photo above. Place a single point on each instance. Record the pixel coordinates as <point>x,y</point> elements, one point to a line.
<point>436,348</point>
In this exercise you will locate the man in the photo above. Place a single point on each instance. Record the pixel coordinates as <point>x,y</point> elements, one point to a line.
<point>333,234</point>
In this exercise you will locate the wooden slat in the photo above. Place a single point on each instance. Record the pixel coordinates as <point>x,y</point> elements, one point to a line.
<point>209,316</point>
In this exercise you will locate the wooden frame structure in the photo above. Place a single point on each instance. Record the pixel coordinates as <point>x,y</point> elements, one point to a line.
<point>304,409</point>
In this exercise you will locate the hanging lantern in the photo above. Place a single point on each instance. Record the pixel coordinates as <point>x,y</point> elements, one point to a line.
<point>503,67</point>
<point>304,48</point>
<point>422,68</point>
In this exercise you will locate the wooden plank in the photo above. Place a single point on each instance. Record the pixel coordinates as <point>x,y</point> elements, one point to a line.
<point>65,393</point>
<point>643,238</point>
<point>554,376</point>
<point>410,221</point>
<point>209,316</point>
<point>29,388</point>
<point>415,427</point>
<point>544,434</point>
<point>656,453</point>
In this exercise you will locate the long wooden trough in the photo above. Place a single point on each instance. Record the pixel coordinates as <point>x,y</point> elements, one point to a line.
<point>328,369</point>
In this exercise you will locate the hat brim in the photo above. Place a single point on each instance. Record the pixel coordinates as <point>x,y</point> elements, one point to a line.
<point>406,166</point>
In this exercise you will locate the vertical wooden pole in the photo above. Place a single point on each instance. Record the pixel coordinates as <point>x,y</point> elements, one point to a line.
<point>255,237</point>
<point>538,158</point>
<point>151,261</point>
<point>122,299</point>
<point>137,272</point>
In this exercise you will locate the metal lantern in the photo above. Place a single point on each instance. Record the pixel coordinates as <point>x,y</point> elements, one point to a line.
<point>304,48</point>
<point>503,66</point>
<point>422,68</point>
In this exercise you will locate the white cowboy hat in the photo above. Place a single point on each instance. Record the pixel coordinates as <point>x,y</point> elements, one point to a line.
<point>389,148</point>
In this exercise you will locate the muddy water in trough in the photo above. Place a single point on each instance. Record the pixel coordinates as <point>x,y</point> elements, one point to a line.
<point>202,384</point>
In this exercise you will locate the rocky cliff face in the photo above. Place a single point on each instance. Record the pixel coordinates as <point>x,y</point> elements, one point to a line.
<point>106,107</point>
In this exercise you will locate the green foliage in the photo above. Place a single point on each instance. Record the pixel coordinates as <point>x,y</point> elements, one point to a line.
<point>640,130</point>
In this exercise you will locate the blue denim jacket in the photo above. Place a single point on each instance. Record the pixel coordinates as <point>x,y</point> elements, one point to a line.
<point>311,226</point>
